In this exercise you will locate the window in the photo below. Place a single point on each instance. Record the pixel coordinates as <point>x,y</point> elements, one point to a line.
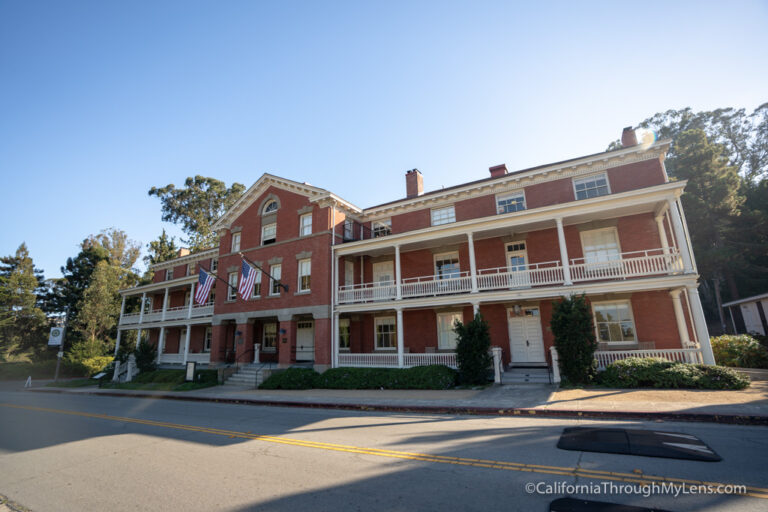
<point>600,245</point>
<point>235,242</point>
<point>510,203</point>
<point>186,298</point>
<point>274,284</point>
<point>269,340</point>
<point>344,333</point>
<point>256,286</point>
<point>169,274</point>
<point>214,264</point>
<point>212,298</point>
<point>207,339</point>
<point>382,228</point>
<point>447,265</point>
<point>232,288</point>
<point>349,273</point>
<point>591,186</point>
<point>305,225</point>
<point>613,322</point>
<point>446,338</point>
<point>443,216</point>
<point>349,229</point>
<point>305,271</point>
<point>268,234</point>
<point>189,269</point>
<point>385,332</point>
<point>270,207</point>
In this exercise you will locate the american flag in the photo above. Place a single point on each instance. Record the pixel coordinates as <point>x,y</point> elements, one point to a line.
<point>247,281</point>
<point>204,284</point>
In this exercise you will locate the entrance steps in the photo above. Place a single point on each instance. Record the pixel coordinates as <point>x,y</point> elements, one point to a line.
<point>250,375</point>
<point>526,375</point>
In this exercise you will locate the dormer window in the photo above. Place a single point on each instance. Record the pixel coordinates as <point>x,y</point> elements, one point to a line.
<point>270,207</point>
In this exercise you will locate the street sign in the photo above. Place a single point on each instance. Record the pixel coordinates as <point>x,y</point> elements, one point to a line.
<point>56,337</point>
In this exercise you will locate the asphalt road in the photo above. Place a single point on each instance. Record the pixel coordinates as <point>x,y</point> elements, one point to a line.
<point>66,453</point>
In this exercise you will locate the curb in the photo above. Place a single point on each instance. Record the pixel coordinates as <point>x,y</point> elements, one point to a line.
<point>730,419</point>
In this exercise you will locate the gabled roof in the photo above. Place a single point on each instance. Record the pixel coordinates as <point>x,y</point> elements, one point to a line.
<point>258,188</point>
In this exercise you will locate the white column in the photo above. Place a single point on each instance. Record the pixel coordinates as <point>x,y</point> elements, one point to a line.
<point>400,338</point>
<point>138,337</point>
<point>191,300</point>
<point>165,303</point>
<point>682,241</point>
<point>335,280</point>
<point>700,325</point>
<point>472,264</point>
<point>563,252</point>
<point>555,365</point>
<point>398,275</point>
<point>186,343</point>
<point>335,340</point>
<point>682,328</point>
<point>362,269</point>
<point>117,343</point>
<point>122,308</point>
<point>160,343</point>
<point>475,308</point>
<point>687,236</point>
<point>141,308</point>
<point>662,233</point>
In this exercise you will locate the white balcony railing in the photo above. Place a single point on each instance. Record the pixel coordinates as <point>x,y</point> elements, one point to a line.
<point>202,358</point>
<point>389,360</point>
<point>177,313</point>
<point>680,355</point>
<point>627,265</point>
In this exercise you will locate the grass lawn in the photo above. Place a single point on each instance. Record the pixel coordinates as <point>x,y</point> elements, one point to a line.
<point>167,380</point>
<point>37,370</point>
<point>74,383</point>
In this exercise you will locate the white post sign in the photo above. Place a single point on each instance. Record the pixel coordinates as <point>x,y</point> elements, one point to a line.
<point>56,337</point>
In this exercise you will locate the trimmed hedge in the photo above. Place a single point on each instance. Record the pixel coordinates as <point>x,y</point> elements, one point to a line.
<point>635,372</point>
<point>740,351</point>
<point>419,377</point>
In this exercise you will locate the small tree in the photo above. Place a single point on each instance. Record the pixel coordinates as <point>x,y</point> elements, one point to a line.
<point>574,338</point>
<point>146,355</point>
<point>472,348</point>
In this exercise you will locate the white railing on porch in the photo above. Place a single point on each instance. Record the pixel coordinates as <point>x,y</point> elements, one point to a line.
<point>129,319</point>
<point>204,357</point>
<point>627,265</point>
<point>680,355</point>
<point>360,360</point>
<point>177,313</point>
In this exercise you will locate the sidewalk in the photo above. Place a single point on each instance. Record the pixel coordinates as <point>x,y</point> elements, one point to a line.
<point>749,406</point>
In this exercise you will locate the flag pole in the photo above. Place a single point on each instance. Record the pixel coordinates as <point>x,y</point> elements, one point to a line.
<point>217,277</point>
<point>280,284</point>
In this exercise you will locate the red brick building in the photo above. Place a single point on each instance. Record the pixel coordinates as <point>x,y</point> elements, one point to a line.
<point>382,286</point>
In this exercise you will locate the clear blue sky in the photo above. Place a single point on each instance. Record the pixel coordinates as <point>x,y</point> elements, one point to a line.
<point>101,100</point>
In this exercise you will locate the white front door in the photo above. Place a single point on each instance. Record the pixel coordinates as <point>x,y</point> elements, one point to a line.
<point>384,276</point>
<point>525,338</point>
<point>305,340</point>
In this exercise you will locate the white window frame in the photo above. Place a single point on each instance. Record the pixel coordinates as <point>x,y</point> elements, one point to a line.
<point>169,274</point>
<point>349,229</point>
<point>381,228</point>
<point>214,264</point>
<point>266,210</point>
<point>236,237</point>
<point>189,269</point>
<point>305,265</point>
<point>381,320</point>
<point>207,339</point>
<point>625,302</point>
<point>183,340</point>
<point>186,298</point>
<point>344,334</point>
<point>506,197</point>
<point>232,288</point>
<point>264,347</point>
<point>598,262</point>
<point>349,273</point>
<point>305,228</point>
<point>442,215</point>
<point>264,239</point>
<point>441,345</point>
<point>445,256</point>
<point>256,286</point>
<point>591,177</point>
<point>277,268</point>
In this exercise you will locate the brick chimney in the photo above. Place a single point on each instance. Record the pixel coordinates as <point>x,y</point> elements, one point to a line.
<point>182,252</point>
<point>498,170</point>
<point>628,137</point>
<point>414,183</point>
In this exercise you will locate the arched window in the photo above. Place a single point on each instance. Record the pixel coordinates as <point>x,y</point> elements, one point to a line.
<point>270,207</point>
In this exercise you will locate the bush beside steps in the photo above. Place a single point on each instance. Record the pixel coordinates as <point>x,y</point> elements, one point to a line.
<point>418,377</point>
<point>636,372</point>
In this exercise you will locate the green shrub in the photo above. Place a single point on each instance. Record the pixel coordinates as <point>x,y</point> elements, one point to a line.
<point>741,351</point>
<point>93,365</point>
<point>575,342</point>
<point>472,351</point>
<point>419,377</point>
<point>291,378</point>
<point>635,372</point>
<point>146,356</point>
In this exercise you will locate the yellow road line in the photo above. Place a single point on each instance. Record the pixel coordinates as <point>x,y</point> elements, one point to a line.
<point>757,492</point>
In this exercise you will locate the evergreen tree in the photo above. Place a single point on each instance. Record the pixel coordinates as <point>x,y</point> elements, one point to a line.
<point>575,341</point>
<point>162,249</point>
<point>99,308</point>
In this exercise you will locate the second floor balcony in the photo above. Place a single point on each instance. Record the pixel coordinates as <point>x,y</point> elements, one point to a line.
<point>627,265</point>
<point>158,315</point>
